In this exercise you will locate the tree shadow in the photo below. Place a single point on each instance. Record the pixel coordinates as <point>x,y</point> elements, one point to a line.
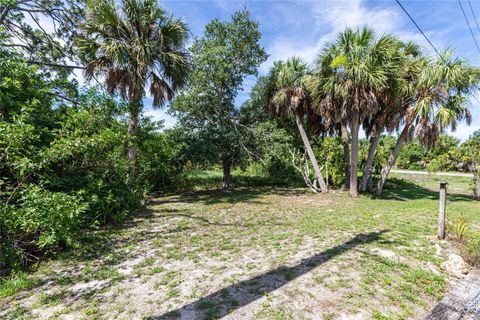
<point>103,246</point>
<point>211,197</point>
<point>235,296</point>
<point>405,190</point>
<point>167,213</point>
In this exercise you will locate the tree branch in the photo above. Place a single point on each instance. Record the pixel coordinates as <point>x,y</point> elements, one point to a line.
<point>57,65</point>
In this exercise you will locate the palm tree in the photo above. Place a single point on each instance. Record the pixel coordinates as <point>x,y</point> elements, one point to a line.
<point>135,46</point>
<point>393,100</point>
<point>470,151</point>
<point>290,96</point>
<point>351,71</point>
<point>440,102</point>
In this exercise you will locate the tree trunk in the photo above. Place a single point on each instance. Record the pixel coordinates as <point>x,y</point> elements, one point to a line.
<point>354,157</point>
<point>391,160</point>
<point>227,164</point>
<point>370,184</point>
<point>476,182</point>
<point>132,145</point>
<point>367,171</point>
<point>346,156</point>
<point>311,155</point>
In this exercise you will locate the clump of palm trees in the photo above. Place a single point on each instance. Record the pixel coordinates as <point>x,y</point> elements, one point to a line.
<point>381,84</point>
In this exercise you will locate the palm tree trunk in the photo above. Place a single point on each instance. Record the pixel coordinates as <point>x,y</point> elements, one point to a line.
<point>132,144</point>
<point>354,157</point>
<point>227,164</point>
<point>367,171</point>
<point>346,155</point>
<point>391,160</point>
<point>311,155</point>
<point>476,181</point>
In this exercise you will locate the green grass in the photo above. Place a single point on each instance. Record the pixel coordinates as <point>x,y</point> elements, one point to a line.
<point>212,179</point>
<point>16,283</point>
<point>284,252</point>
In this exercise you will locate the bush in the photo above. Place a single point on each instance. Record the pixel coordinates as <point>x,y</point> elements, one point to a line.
<point>444,156</point>
<point>45,219</point>
<point>329,154</point>
<point>63,167</point>
<point>466,239</point>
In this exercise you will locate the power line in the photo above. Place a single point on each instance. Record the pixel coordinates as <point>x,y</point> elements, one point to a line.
<point>475,97</point>
<point>474,16</point>
<point>419,29</point>
<point>469,27</point>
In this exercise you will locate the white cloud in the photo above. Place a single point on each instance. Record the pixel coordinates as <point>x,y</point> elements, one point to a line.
<point>336,15</point>
<point>283,48</point>
<point>330,18</point>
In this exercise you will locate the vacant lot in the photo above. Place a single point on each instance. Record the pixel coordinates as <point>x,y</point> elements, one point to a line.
<point>261,253</point>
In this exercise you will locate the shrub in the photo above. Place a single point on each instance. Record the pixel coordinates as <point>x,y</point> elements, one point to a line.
<point>64,167</point>
<point>467,240</point>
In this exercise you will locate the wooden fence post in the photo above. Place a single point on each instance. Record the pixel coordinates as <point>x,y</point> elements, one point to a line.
<point>442,209</point>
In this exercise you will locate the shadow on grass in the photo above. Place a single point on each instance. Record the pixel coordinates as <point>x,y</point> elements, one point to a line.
<point>210,197</point>
<point>235,296</point>
<point>211,180</point>
<point>404,190</point>
<point>105,246</point>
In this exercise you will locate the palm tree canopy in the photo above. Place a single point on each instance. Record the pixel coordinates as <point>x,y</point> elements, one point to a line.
<point>353,70</point>
<point>395,97</point>
<point>289,82</point>
<point>442,95</point>
<point>134,46</point>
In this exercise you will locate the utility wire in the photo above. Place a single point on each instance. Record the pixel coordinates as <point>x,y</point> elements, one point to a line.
<point>469,27</point>
<point>419,29</point>
<point>474,16</point>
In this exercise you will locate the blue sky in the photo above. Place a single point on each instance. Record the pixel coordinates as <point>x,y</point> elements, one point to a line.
<point>302,28</point>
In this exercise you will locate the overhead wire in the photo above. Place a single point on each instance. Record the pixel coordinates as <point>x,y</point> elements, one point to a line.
<point>478,28</point>
<point>419,29</point>
<point>430,42</point>
<point>469,27</point>
<point>474,16</point>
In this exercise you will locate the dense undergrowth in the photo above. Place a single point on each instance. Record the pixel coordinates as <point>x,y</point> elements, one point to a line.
<point>63,166</point>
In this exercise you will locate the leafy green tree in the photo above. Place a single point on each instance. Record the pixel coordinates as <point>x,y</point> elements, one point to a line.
<point>31,36</point>
<point>221,59</point>
<point>137,45</point>
<point>27,27</point>
<point>290,96</point>
<point>62,165</point>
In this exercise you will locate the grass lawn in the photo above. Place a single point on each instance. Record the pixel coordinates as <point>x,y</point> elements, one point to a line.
<point>255,253</point>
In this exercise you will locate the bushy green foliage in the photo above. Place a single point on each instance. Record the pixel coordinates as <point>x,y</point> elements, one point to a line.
<point>269,152</point>
<point>160,160</point>
<point>443,156</point>
<point>63,165</point>
<point>54,216</point>
<point>329,152</point>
